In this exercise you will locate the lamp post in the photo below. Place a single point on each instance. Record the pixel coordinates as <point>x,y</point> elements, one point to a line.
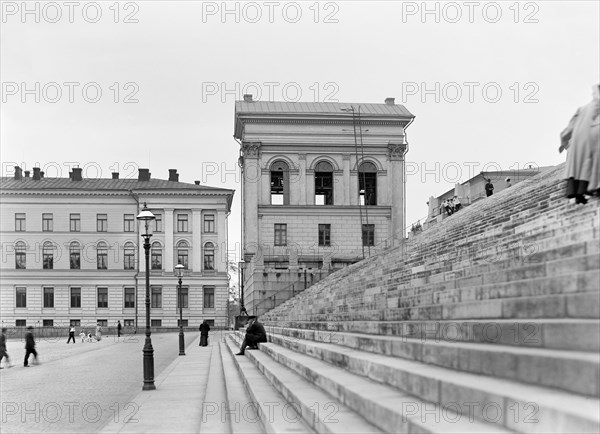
<point>241,265</point>
<point>179,272</point>
<point>146,216</point>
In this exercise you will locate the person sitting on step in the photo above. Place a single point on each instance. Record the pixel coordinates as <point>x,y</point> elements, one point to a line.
<point>255,333</point>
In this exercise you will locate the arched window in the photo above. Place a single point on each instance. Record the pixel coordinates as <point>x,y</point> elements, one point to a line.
<point>280,183</point>
<point>129,256</point>
<point>367,183</point>
<point>324,183</point>
<point>183,254</point>
<point>156,256</point>
<point>102,255</point>
<point>75,255</point>
<point>48,255</point>
<point>20,256</point>
<point>209,256</point>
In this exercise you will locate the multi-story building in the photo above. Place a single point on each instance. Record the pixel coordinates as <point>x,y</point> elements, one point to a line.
<point>72,251</point>
<point>322,186</point>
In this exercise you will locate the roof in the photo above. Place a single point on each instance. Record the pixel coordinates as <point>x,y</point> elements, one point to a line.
<point>320,107</point>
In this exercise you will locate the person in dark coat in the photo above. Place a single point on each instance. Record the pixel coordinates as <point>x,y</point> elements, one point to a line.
<point>71,335</point>
<point>3,352</point>
<point>119,329</point>
<point>204,329</point>
<point>255,333</point>
<point>30,347</point>
<point>489,188</point>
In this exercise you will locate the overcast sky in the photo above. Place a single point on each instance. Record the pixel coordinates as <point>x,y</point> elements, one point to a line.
<point>491,83</point>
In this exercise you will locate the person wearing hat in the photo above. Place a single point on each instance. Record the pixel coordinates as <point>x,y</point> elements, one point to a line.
<point>30,347</point>
<point>508,184</point>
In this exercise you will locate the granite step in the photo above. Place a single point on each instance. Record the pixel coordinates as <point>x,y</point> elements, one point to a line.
<point>320,410</point>
<point>577,372</point>
<point>392,382</point>
<point>214,420</point>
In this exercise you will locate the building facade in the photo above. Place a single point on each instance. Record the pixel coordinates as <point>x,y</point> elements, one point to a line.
<point>73,252</point>
<point>322,187</point>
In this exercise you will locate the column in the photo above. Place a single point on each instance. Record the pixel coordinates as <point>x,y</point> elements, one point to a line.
<point>251,179</point>
<point>346,179</point>
<point>169,247</point>
<point>196,240</point>
<point>299,181</point>
<point>396,153</point>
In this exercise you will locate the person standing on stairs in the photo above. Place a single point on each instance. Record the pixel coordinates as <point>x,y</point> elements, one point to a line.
<point>255,333</point>
<point>204,329</point>
<point>489,188</point>
<point>582,139</point>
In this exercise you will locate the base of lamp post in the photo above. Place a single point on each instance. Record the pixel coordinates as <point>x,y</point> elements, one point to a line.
<point>148,365</point>
<point>181,342</point>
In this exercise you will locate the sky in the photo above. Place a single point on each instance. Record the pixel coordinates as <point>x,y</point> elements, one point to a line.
<point>113,86</point>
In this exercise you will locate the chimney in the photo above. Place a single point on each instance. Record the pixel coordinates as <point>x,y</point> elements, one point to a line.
<point>36,174</point>
<point>389,101</point>
<point>27,174</point>
<point>197,182</point>
<point>18,173</point>
<point>77,174</point>
<point>41,174</point>
<point>248,98</point>
<point>71,175</point>
<point>173,175</point>
<point>143,174</point>
<point>115,175</point>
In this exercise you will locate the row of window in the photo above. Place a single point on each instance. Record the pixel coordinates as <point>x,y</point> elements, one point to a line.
<point>128,297</point>
<point>104,323</point>
<point>102,223</point>
<point>280,183</point>
<point>280,236</point>
<point>48,250</point>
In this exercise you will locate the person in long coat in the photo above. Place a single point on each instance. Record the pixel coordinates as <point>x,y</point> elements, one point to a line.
<point>30,346</point>
<point>255,334</point>
<point>582,139</point>
<point>204,329</point>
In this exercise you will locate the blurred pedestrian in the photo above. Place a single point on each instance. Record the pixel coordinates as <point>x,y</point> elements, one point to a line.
<point>98,332</point>
<point>255,334</point>
<point>508,183</point>
<point>582,139</point>
<point>3,352</point>
<point>30,347</point>
<point>71,335</point>
<point>456,203</point>
<point>119,329</point>
<point>204,329</point>
<point>489,188</point>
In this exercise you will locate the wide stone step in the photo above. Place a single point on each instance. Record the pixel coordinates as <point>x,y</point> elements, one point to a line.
<point>320,410</point>
<point>558,334</point>
<point>274,412</point>
<point>525,408</point>
<point>384,406</point>
<point>577,372</point>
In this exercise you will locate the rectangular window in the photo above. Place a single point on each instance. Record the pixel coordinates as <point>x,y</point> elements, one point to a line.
<point>209,223</point>
<point>156,323</point>
<point>21,297</point>
<point>49,297</point>
<point>209,297</point>
<point>102,322</point>
<point>129,298</point>
<point>75,222</point>
<point>75,258</point>
<point>184,322</point>
<point>182,257</point>
<point>47,222</point>
<point>182,297</point>
<point>128,223</point>
<point>129,258</point>
<point>211,322</point>
<point>48,323</point>
<point>19,222</point>
<point>156,258</point>
<point>102,297</point>
<point>128,323</point>
<point>368,235</point>
<point>158,223</point>
<point>209,259</point>
<point>156,297</point>
<point>367,188</point>
<point>48,258</point>
<point>75,323</point>
<point>75,297</point>
<point>20,257</point>
<point>102,222</point>
<point>182,222</point>
<point>278,265</point>
<point>281,234</point>
<point>102,258</point>
<point>20,323</point>
<point>325,235</point>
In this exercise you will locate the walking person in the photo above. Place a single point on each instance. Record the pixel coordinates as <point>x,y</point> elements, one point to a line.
<point>204,329</point>
<point>255,333</point>
<point>582,139</point>
<point>3,352</point>
<point>508,183</point>
<point>489,188</point>
<point>98,332</point>
<point>71,335</point>
<point>119,329</point>
<point>30,347</point>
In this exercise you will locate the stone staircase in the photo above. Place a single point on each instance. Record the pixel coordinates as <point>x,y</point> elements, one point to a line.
<point>488,322</point>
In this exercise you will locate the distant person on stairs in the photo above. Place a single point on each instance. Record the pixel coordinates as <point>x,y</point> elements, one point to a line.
<point>204,329</point>
<point>489,188</point>
<point>582,139</point>
<point>255,333</point>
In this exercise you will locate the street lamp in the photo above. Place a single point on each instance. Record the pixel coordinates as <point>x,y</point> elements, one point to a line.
<point>179,273</point>
<point>241,265</point>
<point>146,216</point>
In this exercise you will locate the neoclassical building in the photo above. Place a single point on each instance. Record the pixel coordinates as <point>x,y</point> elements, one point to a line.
<point>72,251</point>
<point>322,187</point>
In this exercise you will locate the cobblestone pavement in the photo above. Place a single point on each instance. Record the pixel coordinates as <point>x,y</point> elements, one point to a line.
<point>79,387</point>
